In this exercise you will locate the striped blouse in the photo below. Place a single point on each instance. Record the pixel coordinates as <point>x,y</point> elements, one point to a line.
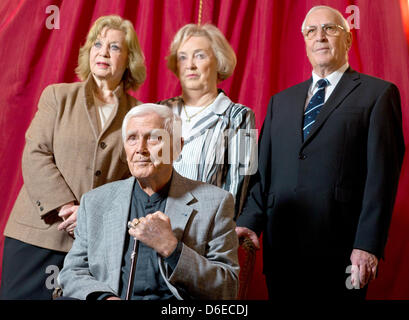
<point>221,148</point>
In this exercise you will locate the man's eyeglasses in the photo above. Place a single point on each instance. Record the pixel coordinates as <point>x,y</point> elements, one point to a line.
<point>330,29</point>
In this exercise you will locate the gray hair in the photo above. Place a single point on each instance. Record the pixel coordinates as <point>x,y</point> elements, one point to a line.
<point>223,51</point>
<point>344,22</point>
<point>169,118</point>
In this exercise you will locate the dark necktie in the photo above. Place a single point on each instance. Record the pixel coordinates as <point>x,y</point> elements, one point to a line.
<point>314,106</point>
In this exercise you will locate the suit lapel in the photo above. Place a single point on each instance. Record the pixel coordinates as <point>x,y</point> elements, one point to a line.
<point>89,105</point>
<point>119,111</point>
<point>346,84</point>
<point>296,108</point>
<point>177,204</point>
<point>115,226</point>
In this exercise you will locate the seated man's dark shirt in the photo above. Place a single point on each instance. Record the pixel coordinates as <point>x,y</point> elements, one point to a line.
<point>148,282</point>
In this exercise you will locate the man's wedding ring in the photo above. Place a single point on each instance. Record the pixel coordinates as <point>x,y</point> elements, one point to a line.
<point>133,224</point>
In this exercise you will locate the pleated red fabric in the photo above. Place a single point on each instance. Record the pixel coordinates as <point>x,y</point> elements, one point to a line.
<point>271,57</point>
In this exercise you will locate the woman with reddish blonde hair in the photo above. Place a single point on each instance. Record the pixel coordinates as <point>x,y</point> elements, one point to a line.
<point>73,145</point>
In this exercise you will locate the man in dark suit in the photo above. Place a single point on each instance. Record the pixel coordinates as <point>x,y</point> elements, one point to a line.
<point>330,154</point>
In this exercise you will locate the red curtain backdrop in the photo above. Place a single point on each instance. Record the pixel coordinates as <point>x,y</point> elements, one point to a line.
<point>271,57</point>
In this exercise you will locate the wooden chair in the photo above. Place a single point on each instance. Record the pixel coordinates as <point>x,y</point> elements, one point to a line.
<point>247,259</point>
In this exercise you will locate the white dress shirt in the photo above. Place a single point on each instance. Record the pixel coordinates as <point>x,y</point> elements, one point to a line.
<point>333,80</point>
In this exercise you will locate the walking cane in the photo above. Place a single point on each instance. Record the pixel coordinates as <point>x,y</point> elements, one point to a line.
<point>133,263</point>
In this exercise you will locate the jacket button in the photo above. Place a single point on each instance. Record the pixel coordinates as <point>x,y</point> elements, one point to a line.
<point>98,173</point>
<point>41,209</point>
<point>302,156</point>
<point>103,145</point>
<point>38,202</point>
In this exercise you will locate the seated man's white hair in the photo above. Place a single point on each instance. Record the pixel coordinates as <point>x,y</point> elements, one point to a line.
<point>164,112</point>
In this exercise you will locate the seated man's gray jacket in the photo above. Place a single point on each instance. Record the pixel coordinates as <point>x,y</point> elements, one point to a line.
<point>201,217</point>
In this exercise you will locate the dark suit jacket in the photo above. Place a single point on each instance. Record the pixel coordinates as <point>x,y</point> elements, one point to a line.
<point>335,191</point>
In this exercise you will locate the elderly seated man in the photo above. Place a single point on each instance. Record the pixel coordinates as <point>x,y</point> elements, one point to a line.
<point>183,230</point>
